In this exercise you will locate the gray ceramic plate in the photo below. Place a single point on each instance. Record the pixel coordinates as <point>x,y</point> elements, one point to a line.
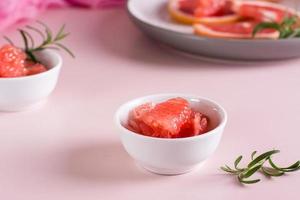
<point>152,18</point>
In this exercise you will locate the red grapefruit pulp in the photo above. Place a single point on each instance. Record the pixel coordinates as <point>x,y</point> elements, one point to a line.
<point>201,11</point>
<point>205,8</point>
<point>170,119</point>
<point>262,11</point>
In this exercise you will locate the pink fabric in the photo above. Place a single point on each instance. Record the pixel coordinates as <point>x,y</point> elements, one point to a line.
<point>14,11</point>
<point>96,3</point>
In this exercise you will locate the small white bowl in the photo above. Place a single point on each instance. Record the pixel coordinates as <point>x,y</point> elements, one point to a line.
<point>177,155</point>
<point>22,93</point>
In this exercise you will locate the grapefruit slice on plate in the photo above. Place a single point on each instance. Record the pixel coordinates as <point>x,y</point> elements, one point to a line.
<point>252,12</point>
<point>202,11</point>
<point>238,30</point>
<point>263,11</point>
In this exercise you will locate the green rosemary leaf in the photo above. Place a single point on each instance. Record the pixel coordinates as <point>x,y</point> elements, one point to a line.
<point>261,158</point>
<point>24,39</point>
<point>224,169</point>
<point>63,36</point>
<point>296,33</point>
<point>293,167</point>
<point>26,47</point>
<point>60,33</point>
<point>286,32</point>
<point>8,40</point>
<point>32,56</point>
<point>65,48</point>
<point>242,180</point>
<point>227,170</point>
<point>30,38</point>
<point>271,171</point>
<point>237,161</point>
<point>253,154</point>
<point>289,21</point>
<point>48,33</point>
<point>37,31</point>
<point>265,25</point>
<point>250,171</point>
<point>37,49</point>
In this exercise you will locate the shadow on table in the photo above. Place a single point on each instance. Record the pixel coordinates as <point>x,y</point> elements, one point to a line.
<point>107,162</point>
<point>119,37</point>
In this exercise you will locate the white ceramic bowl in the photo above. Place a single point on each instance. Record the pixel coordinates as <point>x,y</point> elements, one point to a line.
<point>172,156</point>
<point>21,93</point>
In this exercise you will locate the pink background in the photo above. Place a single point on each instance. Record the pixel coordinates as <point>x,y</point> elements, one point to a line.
<point>70,149</point>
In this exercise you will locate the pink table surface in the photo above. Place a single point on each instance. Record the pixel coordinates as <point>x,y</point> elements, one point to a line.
<point>70,149</point>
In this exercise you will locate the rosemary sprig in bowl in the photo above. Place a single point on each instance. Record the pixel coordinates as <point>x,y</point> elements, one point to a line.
<point>49,40</point>
<point>257,164</point>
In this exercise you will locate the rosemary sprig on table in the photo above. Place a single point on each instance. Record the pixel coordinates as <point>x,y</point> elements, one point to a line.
<point>49,40</point>
<point>258,164</point>
<point>288,28</point>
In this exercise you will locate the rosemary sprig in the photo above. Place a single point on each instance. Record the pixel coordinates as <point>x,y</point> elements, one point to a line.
<point>258,164</point>
<point>288,28</point>
<point>49,40</point>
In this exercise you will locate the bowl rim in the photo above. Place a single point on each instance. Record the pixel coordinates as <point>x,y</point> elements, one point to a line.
<point>133,16</point>
<point>50,52</point>
<point>221,111</point>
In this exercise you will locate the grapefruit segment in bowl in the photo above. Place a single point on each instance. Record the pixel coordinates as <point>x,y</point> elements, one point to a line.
<point>173,118</point>
<point>197,124</point>
<point>161,120</point>
<point>238,30</point>
<point>202,11</point>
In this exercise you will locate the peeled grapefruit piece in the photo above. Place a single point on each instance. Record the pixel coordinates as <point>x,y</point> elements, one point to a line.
<point>161,120</point>
<point>238,30</point>
<point>34,68</point>
<point>173,118</point>
<point>261,11</point>
<point>12,61</point>
<point>202,11</point>
<point>135,120</point>
<point>197,124</point>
